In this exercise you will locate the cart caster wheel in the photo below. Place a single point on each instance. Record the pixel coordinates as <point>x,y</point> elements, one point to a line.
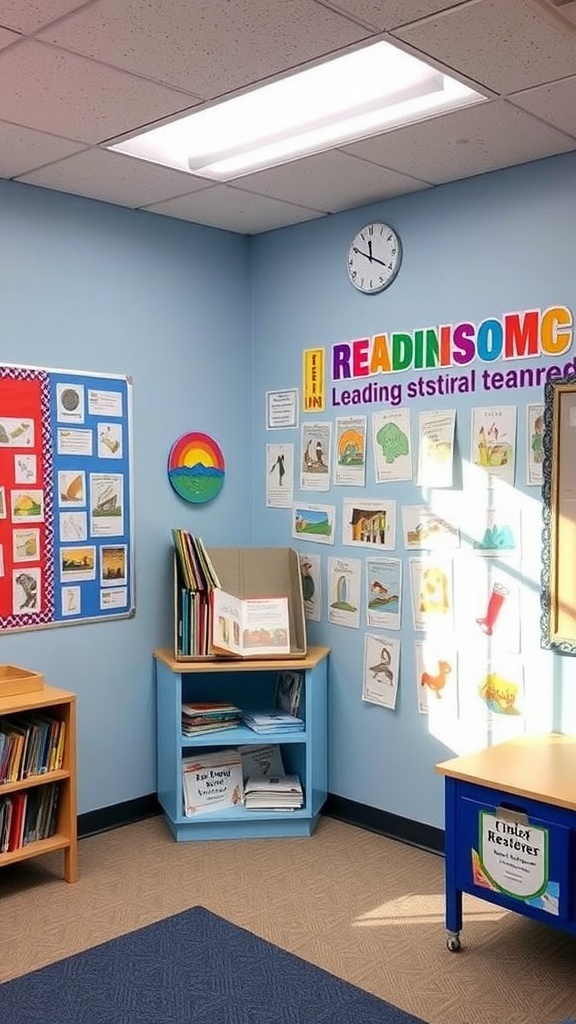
<point>453,943</point>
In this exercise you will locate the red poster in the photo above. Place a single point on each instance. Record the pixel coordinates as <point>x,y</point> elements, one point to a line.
<point>26,500</point>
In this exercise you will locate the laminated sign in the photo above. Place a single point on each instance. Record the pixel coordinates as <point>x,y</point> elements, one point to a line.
<point>514,855</point>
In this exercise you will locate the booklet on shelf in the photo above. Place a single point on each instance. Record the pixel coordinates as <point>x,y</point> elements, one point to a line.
<point>288,691</point>
<point>212,781</point>
<point>249,626</point>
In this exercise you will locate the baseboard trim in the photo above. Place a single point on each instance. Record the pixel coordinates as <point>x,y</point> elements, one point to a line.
<point>127,813</point>
<point>370,818</point>
<point>426,837</point>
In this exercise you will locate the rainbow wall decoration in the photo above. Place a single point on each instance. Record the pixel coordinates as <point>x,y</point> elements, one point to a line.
<point>196,467</point>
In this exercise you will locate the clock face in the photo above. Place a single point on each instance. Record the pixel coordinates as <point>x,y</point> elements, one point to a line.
<point>374,258</point>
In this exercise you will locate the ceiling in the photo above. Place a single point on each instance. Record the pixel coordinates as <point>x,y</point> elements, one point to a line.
<point>75,75</point>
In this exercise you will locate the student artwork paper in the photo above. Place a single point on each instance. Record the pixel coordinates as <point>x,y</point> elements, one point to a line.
<point>424,529</point>
<point>496,531</point>
<point>437,678</point>
<point>392,445</point>
<point>344,576</point>
<point>491,689</point>
<point>369,523</point>
<point>315,461</point>
<point>488,604</point>
<point>436,448</point>
<point>310,573</point>
<point>313,522</point>
<point>431,584</point>
<point>384,592</point>
<point>350,451</point>
<point>534,444</point>
<point>493,441</point>
<point>279,475</point>
<point>381,670</point>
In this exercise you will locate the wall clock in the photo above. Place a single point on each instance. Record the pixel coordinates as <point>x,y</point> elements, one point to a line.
<point>374,258</point>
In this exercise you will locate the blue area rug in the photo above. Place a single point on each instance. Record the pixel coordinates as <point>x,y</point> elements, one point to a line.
<point>193,968</point>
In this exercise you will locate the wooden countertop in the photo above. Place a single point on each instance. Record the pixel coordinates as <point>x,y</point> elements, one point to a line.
<point>314,655</point>
<point>538,767</point>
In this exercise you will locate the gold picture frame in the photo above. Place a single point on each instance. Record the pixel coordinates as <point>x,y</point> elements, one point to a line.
<point>558,581</point>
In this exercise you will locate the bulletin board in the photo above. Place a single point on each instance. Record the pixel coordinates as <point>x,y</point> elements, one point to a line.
<point>559,510</point>
<point>66,531</point>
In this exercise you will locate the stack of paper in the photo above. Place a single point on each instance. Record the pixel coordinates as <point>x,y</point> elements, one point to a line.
<point>273,792</point>
<point>273,720</point>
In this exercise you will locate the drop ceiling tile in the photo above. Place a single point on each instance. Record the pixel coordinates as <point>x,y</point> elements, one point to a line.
<point>506,46</point>
<point>392,13</point>
<point>29,15</point>
<point>23,149</point>
<point>555,103</point>
<point>208,47</point>
<point>223,207</point>
<point>114,178</point>
<point>45,88</point>
<point>330,182</point>
<point>483,138</point>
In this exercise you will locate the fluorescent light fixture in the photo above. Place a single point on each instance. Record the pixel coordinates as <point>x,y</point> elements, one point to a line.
<point>343,100</point>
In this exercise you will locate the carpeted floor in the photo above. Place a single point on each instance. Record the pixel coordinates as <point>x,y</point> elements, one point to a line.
<point>191,968</point>
<point>365,908</point>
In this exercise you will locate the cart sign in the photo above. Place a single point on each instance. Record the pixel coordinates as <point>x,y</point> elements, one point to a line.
<point>514,855</point>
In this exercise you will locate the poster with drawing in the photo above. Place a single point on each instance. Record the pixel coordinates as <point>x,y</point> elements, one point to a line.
<point>436,448</point>
<point>534,444</point>
<point>315,457</point>
<point>431,585</point>
<point>424,529</point>
<point>436,662</point>
<point>392,445</point>
<point>488,603</point>
<point>369,523</point>
<point>350,451</point>
<point>491,690</point>
<point>381,670</point>
<point>279,475</point>
<point>496,530</point>
<point>344,575</point>
<point>310,574</point>
<point>313,522</point>
<point>493,441</point>
<point>384,592</point>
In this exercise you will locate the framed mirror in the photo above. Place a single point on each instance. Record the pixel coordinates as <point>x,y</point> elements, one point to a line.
<point>558,593</point>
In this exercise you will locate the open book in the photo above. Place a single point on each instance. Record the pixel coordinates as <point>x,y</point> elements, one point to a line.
<point>249,626</point>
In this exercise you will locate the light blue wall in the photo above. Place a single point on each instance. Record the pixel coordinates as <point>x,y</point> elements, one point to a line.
<point>206,322</point>
<point>85,285</point>
<point>472,249</point>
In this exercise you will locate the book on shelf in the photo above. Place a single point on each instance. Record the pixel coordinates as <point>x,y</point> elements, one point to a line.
<point>289,691</point>
<point>209,716</point>
<point>249,626</point>
<point>273,792</point>
<point>261,761</point>
<point>273,720</point>
<point>212,781</point>
<point>195,577</point>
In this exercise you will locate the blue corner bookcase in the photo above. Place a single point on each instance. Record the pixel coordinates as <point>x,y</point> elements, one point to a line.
<point>250,684</point>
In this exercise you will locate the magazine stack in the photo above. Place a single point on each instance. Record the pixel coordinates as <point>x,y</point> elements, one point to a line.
<point>210,716</point>
<point>273,793</point>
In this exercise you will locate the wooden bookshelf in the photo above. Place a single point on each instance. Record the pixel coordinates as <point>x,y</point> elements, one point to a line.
<point>55,703</point>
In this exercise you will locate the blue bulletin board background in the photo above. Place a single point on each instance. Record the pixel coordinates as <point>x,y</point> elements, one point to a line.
<point>66,501</point>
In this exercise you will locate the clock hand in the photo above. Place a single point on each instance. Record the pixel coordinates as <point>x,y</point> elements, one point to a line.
<point>373,259</point>
<point>370,249</point>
